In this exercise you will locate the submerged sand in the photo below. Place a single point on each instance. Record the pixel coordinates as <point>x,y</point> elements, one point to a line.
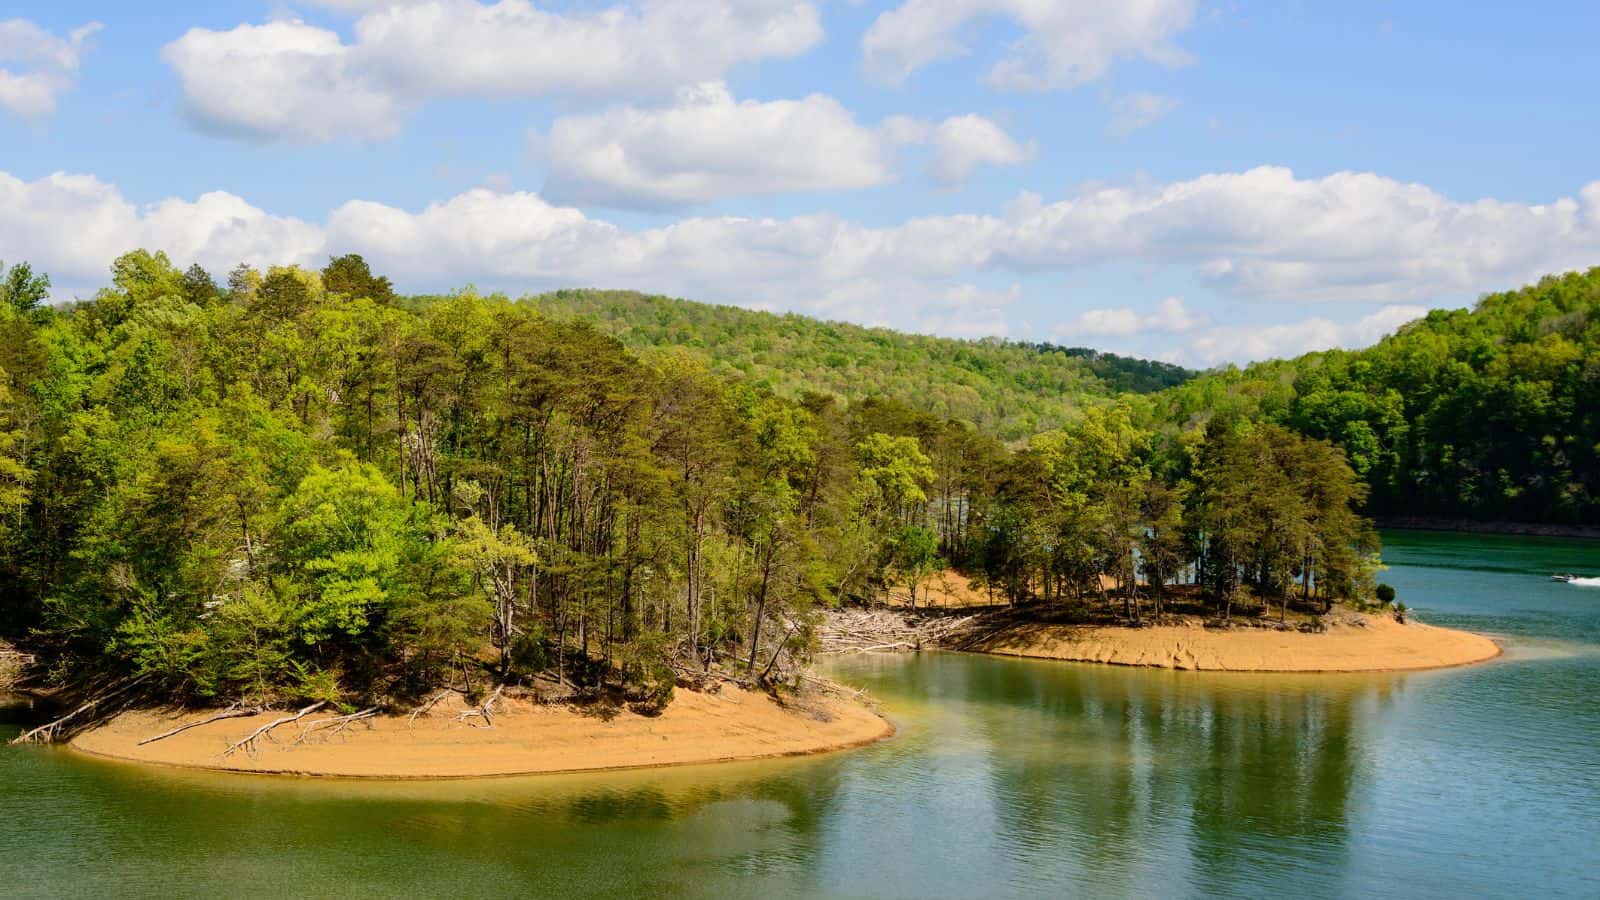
<point>1359,643</point>
<point>525,738</point>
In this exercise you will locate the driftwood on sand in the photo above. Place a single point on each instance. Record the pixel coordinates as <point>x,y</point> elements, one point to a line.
<point>234,712</point>
<point>333,725</point>
<point>96,709</point>
<point>484,710</point>
<point>430,703</point>
<point>876,630</point>
<point>248,743</point>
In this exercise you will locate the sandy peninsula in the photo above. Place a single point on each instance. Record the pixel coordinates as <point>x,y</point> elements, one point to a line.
<point>1356,643</point>
<point>524,739</point>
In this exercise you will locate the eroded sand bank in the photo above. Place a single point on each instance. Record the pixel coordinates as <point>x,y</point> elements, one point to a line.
<point>525,738</point>
<point>1377,643</point>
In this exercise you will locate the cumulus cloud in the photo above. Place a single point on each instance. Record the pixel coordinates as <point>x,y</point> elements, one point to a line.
<point>1261,234</point>
<point>1265,233</point>
<point>1171,316</point>
<point>283,79</point>
<point>1242,343</point>
<point>1063,45</point>
<point>36,67</point>
<point>295,81</point>
<point>708,146</point>
<point>1136,111</point>
<point>963,143</point>
<point>1207,343</point>
<point>74,225</point>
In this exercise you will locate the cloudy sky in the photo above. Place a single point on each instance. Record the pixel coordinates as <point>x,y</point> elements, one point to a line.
<point>1194,181</point>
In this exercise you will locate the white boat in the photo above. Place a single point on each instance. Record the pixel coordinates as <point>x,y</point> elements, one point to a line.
<point>1568,578</point>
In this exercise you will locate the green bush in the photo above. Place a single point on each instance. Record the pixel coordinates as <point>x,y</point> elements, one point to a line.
<point>530,652</point>
<point>647,675</point>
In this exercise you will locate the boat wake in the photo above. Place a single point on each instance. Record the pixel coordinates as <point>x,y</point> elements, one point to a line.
<point>1585,582</point>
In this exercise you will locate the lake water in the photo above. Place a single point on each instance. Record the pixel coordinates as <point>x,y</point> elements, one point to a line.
<point>1008,778</point>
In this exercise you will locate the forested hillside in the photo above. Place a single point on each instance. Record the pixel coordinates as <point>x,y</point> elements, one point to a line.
<point>1006,388</point>
<point>1487,414</point>
<point>289,486</point>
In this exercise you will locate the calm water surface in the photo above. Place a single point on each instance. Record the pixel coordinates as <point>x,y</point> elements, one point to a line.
<point>1008,778</point>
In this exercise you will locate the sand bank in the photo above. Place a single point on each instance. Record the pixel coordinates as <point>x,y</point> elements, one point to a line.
<point>1359,643</point>
<point>525,739</point>
<point>947,589</point>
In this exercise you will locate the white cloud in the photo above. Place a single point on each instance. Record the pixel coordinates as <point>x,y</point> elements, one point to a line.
<point>1171,316</point>
<point>296,81</point>
<point>1135,111</point>
<point>36,67</point>
<point>281,80</point>
<point>1264,233</point>
<point>708,146</point>
<point>73,226</point>
<point>1257,234</point>
<point>1064,44</point>
<point>1240,343</point>
<point>963,143</point>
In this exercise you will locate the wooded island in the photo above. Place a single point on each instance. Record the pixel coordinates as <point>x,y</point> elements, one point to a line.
<point>299,491</point>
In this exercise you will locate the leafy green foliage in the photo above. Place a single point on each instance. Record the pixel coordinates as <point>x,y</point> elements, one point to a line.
<point>21,290</point>
<point>913,556</point>
<point>347,532</point>
<point>1492,413</point>
<point>299,486</point>
<point>1006,388</point>
<point>350,276</point>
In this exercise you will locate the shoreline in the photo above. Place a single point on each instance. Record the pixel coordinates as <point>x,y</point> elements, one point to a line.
<point>526,739</point>
<point>1348,642</point>
<point>1361,643</point>
<point>1472,526</point>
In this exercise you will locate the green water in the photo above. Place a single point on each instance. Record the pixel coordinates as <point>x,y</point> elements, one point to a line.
<point>1008,778</point>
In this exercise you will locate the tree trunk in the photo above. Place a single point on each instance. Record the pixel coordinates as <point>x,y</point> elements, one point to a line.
<point>761,607</point>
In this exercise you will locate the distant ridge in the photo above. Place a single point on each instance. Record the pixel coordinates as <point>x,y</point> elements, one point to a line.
<point>1008,388</point>
<point>1487,415</point>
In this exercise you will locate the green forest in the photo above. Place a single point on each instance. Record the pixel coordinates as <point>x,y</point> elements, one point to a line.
<point>297,484</point>
<point>1489,414</point>
<point>1005,388</point>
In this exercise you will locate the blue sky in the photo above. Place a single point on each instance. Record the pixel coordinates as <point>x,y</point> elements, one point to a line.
<point>1202,182</point>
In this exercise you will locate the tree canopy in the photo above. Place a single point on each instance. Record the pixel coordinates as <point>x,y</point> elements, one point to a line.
<point>1488,414</point>
<point>296,484</point>
<point>1009,389</point>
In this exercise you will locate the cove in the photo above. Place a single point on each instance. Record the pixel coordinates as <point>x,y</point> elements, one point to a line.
<point>1007,778</point>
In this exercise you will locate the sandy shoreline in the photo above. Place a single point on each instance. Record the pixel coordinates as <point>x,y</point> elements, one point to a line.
<point>1379,645</point>
<point>526,739</point>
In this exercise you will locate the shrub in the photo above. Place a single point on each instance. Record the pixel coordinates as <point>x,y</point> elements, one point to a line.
<point>530,652</point>
<point>647,673</point>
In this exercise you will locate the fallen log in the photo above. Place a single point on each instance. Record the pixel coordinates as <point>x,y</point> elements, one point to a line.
<point>834,687</point>
<point>232,713</point>
<point>483,710</point>
<point>428,705</point>
<point>50,731</point>
<point>882,647</point>
<point>249,742</point>
<point>333,725</point>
